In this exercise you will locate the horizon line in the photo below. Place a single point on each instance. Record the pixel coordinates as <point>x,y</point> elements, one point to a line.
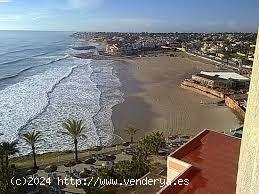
<point>182,32</point>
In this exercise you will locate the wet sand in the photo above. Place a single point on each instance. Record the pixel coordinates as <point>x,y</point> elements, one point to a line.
<point>155,101</point>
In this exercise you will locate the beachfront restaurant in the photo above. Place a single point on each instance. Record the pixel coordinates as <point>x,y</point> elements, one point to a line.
<point>226,80</point>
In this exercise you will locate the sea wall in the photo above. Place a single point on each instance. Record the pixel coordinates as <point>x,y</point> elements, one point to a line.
<point>234,105</point>
<point>187,84</point>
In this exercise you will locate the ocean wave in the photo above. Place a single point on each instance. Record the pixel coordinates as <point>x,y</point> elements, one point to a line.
<point>47,96</point>
<point>22,59</point>
<point>22,101</point>
<point>27,47</point>
<point>17,51</point>
<point>9,48</point>
<point>108,83</point>
<point>75,97</point>
<point>88,94</point>
<point>36,66</point>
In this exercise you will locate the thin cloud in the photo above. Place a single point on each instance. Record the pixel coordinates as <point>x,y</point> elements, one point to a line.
<point>9,18</point>
<point>5,1</point>
<point>79,4</point>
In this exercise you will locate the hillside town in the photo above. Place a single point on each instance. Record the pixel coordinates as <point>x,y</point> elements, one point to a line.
<point>235,50</point>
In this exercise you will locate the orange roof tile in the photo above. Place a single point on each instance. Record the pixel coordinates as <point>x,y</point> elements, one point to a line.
<point>214,159</point>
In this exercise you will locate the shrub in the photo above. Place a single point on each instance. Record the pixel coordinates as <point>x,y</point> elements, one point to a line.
<point>47,169</point>
<point>13,166</point>
<point>152,143</point>
<point>105,172</point>
<point>78,162</point>
<point>29,172</point>
<point>110,158</point>
<point>53,168</point>
<point>34,170</point>
<point>70,163</point>
<point>140,163</point>
<point>90,161</point>
<point>84,175</point>
<point>123,170</point>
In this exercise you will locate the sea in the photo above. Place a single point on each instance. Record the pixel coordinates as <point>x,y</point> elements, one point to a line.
<point>42,85</point>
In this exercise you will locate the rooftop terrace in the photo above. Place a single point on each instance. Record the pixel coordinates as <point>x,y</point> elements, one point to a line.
<point>212,158</point>
<point>226,75</point>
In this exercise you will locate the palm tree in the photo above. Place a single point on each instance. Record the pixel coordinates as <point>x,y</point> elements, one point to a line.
<point>1,159</point>
<point>131,132</point>
<point>6,150</point>
<point>31,138</point>
<point>74,129</point>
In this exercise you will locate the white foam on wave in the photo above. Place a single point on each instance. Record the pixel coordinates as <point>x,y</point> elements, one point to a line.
<point>70,88</point>
<point>109,85</point>
<point>22,101</point>
<point>88,94</point>
<point>76,97</point>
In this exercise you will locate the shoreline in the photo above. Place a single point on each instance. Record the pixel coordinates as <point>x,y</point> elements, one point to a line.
<point>141,109</point>
<point>138,110</point>
<point>155,101</point>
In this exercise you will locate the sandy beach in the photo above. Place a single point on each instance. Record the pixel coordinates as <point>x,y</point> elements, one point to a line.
<point>155,101</point>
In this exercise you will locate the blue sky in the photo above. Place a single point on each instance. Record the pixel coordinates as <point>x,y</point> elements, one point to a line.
<point>130,15</point>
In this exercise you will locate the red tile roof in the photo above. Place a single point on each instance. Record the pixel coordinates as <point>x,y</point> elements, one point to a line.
<point>214,159</point>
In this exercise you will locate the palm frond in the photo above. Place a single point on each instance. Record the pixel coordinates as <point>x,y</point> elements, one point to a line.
<point>73,128</point>
<point>132,130</point>
<point>32,137</point>
<point>9,148</point>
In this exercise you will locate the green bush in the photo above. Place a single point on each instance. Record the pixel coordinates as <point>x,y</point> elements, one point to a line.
<point>13,166</point>
<point>47,169</point>
<point>84,175</point>
<point>110,158</point>
<point>151,144</point>
<point>90,161</point>
<point>51,168</point>
<point>105,172</point>
<point>34,170</point>
<point>70,163</point>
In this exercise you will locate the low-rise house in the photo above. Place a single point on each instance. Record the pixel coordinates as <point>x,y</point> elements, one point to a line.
<point>241,54</point>
<point>250,58</point>
<point>220,55</point>
<point>112,49</point>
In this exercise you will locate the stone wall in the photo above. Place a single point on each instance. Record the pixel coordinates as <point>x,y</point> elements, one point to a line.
<point>187,84</point>
<point>234,105</point>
